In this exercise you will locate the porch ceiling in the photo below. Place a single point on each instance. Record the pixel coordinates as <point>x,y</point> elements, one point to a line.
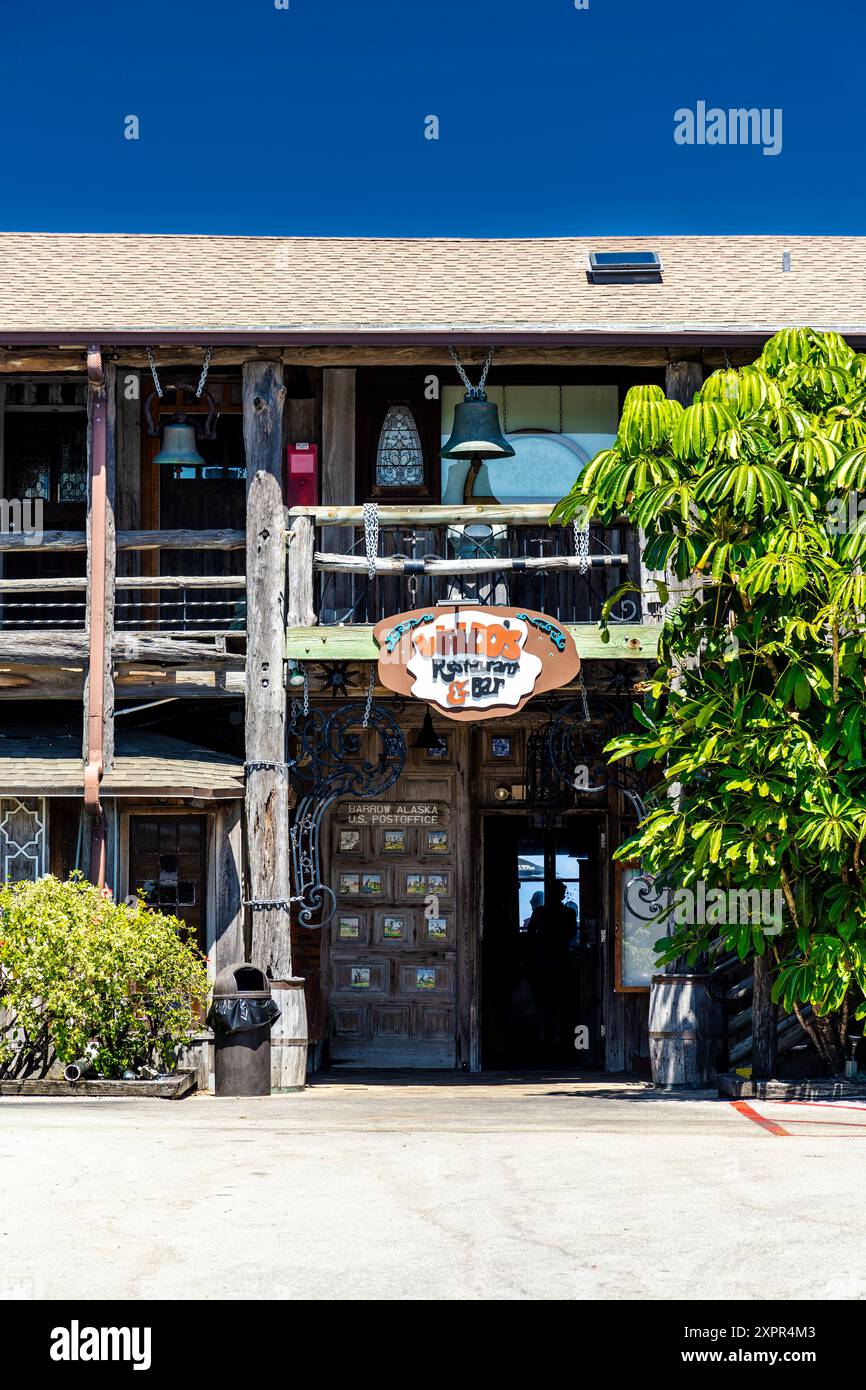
<point>145,764</point>
<point>116,288</point>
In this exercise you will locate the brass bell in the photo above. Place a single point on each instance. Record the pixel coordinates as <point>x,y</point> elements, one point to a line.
<point>475,432</point>
<point>178,446</point>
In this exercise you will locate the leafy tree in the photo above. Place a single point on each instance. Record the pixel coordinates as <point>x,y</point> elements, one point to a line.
<point>756,716</point>
<point>83,975</point>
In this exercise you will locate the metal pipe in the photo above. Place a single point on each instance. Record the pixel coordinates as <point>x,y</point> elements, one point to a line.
<point>78,1071</point>
<point>95,767</point>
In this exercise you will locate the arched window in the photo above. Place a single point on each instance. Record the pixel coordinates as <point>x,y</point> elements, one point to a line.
<point>399,457</point>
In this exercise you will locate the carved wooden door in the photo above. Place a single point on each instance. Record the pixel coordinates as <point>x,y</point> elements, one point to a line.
<point>393,954</point>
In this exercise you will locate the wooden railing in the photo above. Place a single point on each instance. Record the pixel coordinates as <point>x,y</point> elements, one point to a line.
<point>424,555</point>
<point>155,615</point>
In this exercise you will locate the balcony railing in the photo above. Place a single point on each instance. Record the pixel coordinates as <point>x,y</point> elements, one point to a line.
<point>46,614</point>
<point>425,555</point>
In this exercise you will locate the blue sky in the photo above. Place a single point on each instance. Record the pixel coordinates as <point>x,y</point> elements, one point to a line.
<point>552,120</point>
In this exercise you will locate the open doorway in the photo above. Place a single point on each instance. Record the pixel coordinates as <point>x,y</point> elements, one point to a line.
<point>540,977</point>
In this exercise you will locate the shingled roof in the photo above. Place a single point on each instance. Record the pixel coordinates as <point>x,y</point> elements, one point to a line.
<point>145,764</point>
<point>110,287</point>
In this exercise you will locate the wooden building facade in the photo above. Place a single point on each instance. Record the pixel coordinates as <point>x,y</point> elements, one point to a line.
<point>190,700</point>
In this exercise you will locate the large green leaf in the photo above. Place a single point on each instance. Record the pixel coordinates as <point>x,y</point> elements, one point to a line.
<point>699,426</point>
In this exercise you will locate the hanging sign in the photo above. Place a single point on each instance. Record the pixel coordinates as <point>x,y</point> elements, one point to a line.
<point>474,662</point>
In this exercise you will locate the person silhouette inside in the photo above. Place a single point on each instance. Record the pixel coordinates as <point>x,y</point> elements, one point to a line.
<point>551,930</point>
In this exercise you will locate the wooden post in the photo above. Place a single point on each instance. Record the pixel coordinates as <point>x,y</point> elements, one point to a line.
<point>228,930</point>
<point>107,674</point>
<point>302,544</point>
<point>682,380</point>
<point>267,798</point>
<point>338,467</point>
<point>763,1021</point>
<point>128,451</point>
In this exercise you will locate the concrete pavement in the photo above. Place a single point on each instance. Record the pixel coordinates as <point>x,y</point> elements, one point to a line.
<point>455,1188</point>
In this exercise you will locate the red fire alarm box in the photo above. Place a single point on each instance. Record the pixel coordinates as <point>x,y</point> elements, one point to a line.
<point>302,474</point>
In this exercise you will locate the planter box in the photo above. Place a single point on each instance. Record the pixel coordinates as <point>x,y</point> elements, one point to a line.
<point>174,1088</point>
<point>736,1087</point>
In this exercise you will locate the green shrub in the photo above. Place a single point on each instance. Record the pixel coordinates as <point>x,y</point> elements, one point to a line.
<point>83,975</point>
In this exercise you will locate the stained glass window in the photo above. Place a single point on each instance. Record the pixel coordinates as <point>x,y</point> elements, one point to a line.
<point>400,458</point>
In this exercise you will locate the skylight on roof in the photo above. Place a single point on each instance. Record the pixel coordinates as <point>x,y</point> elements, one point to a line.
<point>625,267</point>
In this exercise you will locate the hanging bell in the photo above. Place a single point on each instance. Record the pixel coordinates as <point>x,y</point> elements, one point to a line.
<point>428,740</point>
<point>475,432</point>
<point>178,446</point>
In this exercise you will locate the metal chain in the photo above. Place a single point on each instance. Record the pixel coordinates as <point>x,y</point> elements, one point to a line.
<point>581,544</point>
<point>203,378</point>
<point>306,692</point>
<point>365,722</point>
<point>371,536</point>
<point>153,372</point>
<point>201,381</point>
<point>473,390</point>
<point>582,691</point>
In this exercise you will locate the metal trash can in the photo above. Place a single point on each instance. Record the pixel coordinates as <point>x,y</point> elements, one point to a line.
<point>241,1016</point>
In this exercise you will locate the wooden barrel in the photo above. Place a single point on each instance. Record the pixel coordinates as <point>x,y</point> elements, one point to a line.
<point>289,1037</point>
<point>686,1032</point>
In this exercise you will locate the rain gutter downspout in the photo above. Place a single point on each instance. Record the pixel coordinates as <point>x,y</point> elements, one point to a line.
<point>96,637</point>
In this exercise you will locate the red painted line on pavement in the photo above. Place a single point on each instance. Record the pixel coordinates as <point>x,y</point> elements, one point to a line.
<point>828,1124</point>
<point>861,1109</point>
<point>745,1109</point>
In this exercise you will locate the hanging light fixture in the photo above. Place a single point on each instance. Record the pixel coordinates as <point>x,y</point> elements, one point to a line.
<point>428,740</point>
<point>178,445</point>
<point>476,434</point>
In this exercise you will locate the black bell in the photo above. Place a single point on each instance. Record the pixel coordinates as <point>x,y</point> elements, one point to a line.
<point>475,432</point>
<point>428,740</point>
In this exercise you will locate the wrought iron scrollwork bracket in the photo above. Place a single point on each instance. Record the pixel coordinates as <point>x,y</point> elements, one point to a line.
<point>326,767</point>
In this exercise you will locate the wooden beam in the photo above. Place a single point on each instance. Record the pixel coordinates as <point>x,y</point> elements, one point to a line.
<point>61,648</point>
<point>532,514</point>
<point>149,648</point>
<point>16,542</point>
<point>399,564</point>
<point>267,783</point>
<point>181,540</point>
<point>67,683</point>
<point>38,359</point>
<point>171,581</point>
<point>628,642</point>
